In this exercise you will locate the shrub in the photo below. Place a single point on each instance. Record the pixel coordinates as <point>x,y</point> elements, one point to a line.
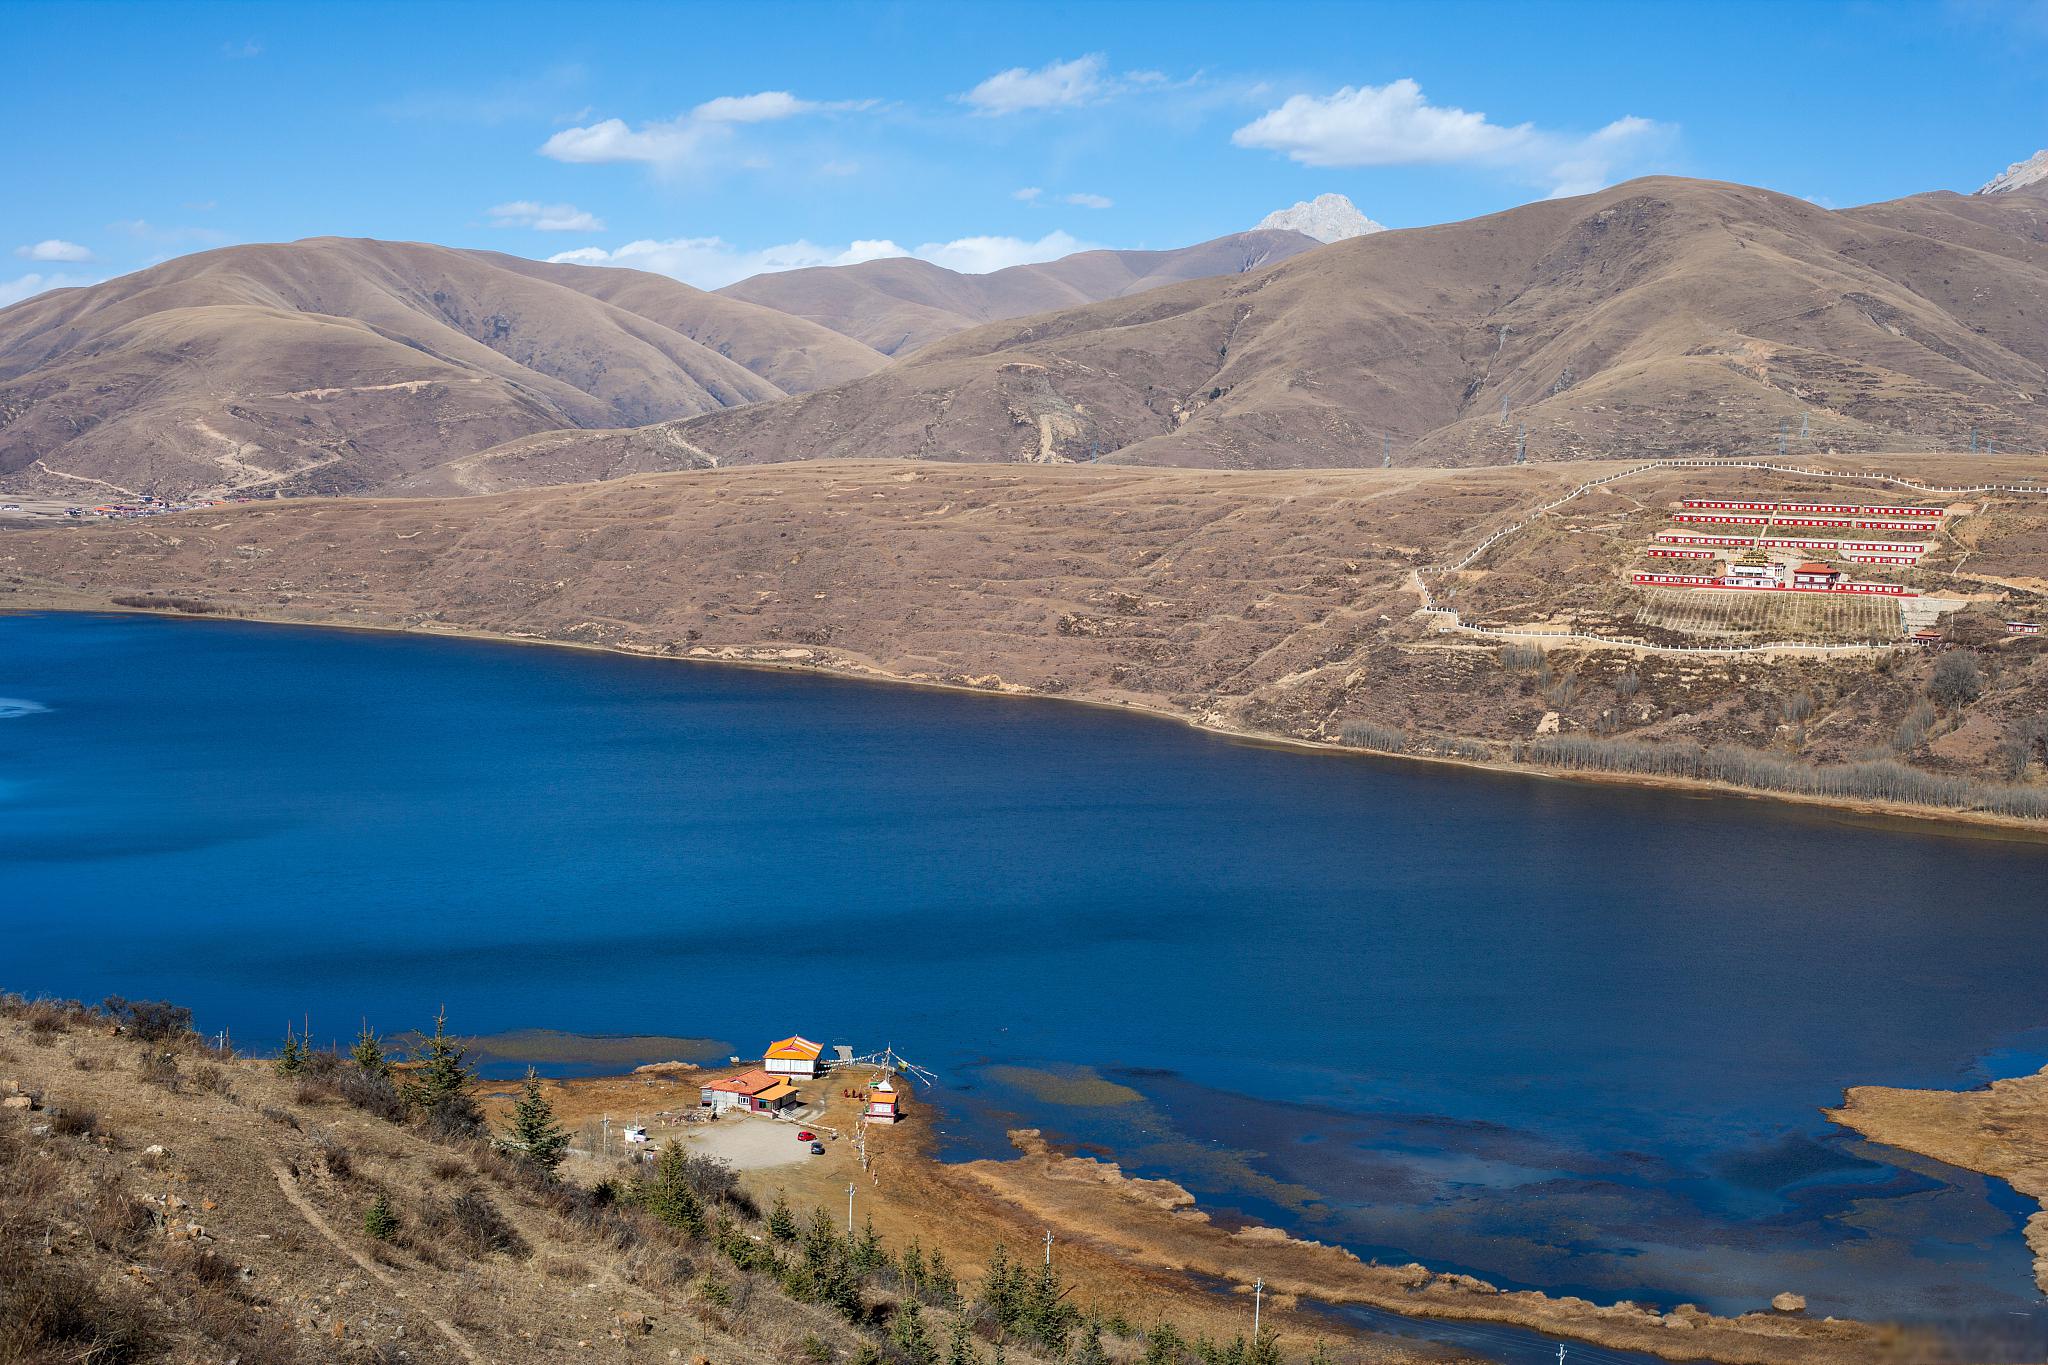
<point>1957,680</point>
<point>161,1068</point>
<point>472,1222</point>
<point>379,1221</point>
<point>74,1122</point>
<point>1520,658</point>
<point>151,1021</point>
<point>1912,731</point>
<point>1379,738</point>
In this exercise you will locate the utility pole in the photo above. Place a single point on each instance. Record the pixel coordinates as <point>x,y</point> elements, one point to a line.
<point>1386,451</point>
<point>849,1208</point>
<point>604,1138</point>
<point>1048,1247</point>
<point>1258,1302</point>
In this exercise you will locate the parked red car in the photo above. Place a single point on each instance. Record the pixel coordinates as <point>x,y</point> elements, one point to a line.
<point>806,1135</point>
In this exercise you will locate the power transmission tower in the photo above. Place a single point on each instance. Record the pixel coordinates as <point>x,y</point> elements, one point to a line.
<point>1802,427</point>
<point>1522,445</point>
<point>1503,409</point>
<point>1386,451</point>
<point>1782,425</point>
<point>1973,440</point>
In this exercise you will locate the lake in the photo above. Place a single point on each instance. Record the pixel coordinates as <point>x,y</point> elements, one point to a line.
<point>1562,1036</point>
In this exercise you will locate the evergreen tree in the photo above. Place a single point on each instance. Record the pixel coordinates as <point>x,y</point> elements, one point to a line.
<point>1000,1286</point>
<point>1043,1312</point>
<point>911,1339</point>
<point>781,1222</point>
<point>369,1053</point>
<point>1265,1350</point>
<point>866,1250</point>
<point>533,1132</point>
<point>939,1285</point>
<point>670,1197</point>
<point>291,1058</point>
<point>961,1351</point>
<point>911,1268</point>
<point>1163,1346</point>
<point>1089,1351</point>
<point>438,1088</point>
<point>379,1221</point>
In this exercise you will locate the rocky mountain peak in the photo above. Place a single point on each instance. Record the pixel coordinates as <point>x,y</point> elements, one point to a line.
<point>2020,174</point>
<point>1327,218</point>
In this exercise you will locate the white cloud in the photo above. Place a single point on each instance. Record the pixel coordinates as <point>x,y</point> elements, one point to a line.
<point>713,262</point>
<point>53,249</point>
<point>28,286</point>
<point>979,255</point>
<point>1089,201</point>
<point>674,141</point>
<point>1396,125</point>
<point>1056,85</point>
<point>1029,194</point>
<point>544,217</point>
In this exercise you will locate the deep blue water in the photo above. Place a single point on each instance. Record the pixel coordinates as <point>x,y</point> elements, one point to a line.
<point>1562,1036</point>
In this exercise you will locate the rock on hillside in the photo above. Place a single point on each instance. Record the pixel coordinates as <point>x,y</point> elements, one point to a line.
<point>2019,175</point>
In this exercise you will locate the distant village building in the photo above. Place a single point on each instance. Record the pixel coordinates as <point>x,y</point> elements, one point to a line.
<point>884,1106</point>
<point>1754,570</point>
<point>793,1056</point>
<point>756,1092</point>
<point>2023,627</point>
<point>1814,574</point>
<point>1929,638</point>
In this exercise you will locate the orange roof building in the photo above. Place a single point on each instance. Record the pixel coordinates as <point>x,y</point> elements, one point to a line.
<point>754,1091</point>
<point>884,1105</point>
<point>793,1056</point>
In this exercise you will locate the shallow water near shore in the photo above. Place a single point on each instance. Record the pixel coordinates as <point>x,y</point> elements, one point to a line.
<point>1563,1037</point>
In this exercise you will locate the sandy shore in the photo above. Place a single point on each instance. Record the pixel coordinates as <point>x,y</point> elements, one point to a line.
<point>2001,1131</point>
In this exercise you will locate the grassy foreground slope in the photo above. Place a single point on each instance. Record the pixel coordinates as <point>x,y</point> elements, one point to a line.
<point>1279,604</point>
<point>162,1201</point>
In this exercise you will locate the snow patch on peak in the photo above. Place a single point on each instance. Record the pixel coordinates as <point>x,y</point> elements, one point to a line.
<point>1327,218</point>
<point>2032,171</point>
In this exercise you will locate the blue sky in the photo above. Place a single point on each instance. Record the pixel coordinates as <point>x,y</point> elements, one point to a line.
<point>712,141</point>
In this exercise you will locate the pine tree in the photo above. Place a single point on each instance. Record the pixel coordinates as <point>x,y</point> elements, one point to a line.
<point>866,1249</point>
<point>291,1058</point>
<point>999,1286</point>
<point>912,1267</point>
<point>908,1332</point>
<point>1265,1350</point>
<point>670,1197</point>
<point>439,1087</point>
<point>1089,1351</point>
<point>939,1285</point>
<point>961,1352</point>
<point>1043,1313</point>
<point>781,1222</point>
<point>379,1221</point>
<point>533,1132</point>
<point>369,1053</point>
<point>1163,1346</point>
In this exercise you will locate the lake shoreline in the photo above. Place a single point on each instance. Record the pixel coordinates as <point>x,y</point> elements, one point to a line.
<point>1921,819</point>
<point>1137,1240</point>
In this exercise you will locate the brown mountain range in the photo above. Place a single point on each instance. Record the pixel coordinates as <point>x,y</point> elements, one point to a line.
<point>1660,316</point>
<point>902,304</point>
<point>334,365</point>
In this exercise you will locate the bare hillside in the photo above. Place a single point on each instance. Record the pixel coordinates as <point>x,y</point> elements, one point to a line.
<point>1279,603</point>
<point>901,305</point>
<point>1663,316</point>
<point>334,365</point>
